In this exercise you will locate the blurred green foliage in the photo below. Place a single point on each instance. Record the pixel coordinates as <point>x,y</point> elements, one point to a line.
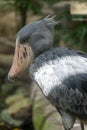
<point>77,35</point>
<point>28,4</point>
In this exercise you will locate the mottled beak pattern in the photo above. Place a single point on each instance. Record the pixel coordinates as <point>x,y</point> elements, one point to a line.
<point>23,57</point>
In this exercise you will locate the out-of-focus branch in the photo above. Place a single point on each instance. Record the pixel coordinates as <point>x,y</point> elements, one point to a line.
<point>5,60</point>
<point>6,42</point>
<point>6,49</point>
<point>45,119</point>
<point>6,46</point>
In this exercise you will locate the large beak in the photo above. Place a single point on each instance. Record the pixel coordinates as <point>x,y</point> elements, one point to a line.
<point>22,59</point>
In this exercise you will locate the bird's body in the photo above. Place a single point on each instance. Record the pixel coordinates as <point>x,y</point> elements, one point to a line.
<point>61,73</point>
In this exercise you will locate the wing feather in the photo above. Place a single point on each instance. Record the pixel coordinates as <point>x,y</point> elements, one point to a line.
<point>62,76</point>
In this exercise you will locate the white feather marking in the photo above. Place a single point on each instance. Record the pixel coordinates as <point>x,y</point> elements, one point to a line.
<point>53,73</point>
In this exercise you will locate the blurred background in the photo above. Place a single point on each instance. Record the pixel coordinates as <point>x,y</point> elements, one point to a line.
<point>22,105</point>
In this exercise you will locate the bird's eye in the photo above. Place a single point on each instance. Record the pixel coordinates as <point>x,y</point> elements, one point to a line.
<point>23,40</point>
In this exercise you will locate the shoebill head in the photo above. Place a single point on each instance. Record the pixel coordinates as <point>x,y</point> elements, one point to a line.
<point>32,40</point>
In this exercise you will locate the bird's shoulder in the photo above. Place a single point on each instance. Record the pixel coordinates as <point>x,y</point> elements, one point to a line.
<point>62,67</point>
<point>62,57</point>
<point>62,76</point>
<point>63,62</point>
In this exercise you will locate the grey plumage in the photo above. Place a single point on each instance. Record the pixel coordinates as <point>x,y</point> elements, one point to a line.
<point>38,34</point>
<point>61,74</point>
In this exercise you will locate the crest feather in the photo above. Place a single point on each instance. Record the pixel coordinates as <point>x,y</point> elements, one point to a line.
<point>51,20</point>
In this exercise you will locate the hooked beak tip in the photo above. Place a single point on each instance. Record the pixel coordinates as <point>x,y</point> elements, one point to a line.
<point>10,78</point>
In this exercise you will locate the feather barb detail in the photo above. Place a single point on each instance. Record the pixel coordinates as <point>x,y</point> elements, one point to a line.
<point>51,20</point>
